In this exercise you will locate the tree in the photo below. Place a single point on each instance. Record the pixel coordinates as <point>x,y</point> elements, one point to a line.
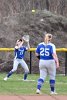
<point>47,4</point>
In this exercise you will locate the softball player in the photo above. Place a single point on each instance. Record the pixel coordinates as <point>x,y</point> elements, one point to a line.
<point>19,55</point>
<point>46,52</point>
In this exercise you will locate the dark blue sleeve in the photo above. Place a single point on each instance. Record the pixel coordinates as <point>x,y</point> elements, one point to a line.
<point>25,49</point>
<point>15,49</point>
<point>51,50</point>
<point>38,49</point>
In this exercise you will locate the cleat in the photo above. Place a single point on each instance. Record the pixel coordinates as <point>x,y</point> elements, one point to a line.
<point>38,91</point>
<point>53,92</point>
<point>25,79</point>
<point>5,79</point>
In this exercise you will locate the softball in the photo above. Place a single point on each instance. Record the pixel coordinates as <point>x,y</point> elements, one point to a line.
<point>33,10</point>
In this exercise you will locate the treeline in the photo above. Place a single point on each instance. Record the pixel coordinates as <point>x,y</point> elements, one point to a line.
<point>17,6</point>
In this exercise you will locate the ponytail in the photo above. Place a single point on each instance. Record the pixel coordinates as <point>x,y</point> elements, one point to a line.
<point>48,38</point>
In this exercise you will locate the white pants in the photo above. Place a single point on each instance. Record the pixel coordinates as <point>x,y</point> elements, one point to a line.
<point>23,64</point>
<point>47,67</point>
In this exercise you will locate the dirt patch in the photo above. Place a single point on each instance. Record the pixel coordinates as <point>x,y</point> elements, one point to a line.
<point>33,97</point>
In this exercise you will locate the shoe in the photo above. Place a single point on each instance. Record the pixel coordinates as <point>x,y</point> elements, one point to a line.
<point>28,80</point>
<point>5,79</point>
<point>25,79</point>
<point>38,91</point>
<point>53,92</point>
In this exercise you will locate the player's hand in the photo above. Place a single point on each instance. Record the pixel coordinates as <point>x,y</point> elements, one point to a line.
<point>57,65</point>
<point>16,47</point>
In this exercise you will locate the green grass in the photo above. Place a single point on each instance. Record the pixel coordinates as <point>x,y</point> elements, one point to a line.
<point>15,86</point>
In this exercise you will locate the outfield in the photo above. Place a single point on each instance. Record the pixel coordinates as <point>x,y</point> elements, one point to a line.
<point>16,86</point>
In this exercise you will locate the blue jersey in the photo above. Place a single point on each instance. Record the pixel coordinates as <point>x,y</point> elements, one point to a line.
<point>19,53</point>
<point>46,50</point>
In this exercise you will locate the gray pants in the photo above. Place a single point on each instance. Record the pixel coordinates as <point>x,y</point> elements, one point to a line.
<point>23,64</point>
<point>47,67</point>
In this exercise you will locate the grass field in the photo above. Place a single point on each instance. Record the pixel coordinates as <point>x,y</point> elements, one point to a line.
<point>15,85</point>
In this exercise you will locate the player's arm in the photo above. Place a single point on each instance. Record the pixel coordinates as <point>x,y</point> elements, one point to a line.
<point>18,44</point>
<point>37,52</point>
<point>55,56</point>
<point>27,41</point>
<point>28,45</point>
<point>56,59</point>
<point>37,55</point>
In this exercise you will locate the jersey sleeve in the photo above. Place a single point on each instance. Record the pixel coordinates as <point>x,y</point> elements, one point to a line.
<point>25,48</point>
<point>53,48</point>
<point>15,49</point>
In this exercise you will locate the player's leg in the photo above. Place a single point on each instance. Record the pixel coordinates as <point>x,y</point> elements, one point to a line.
<point>52,74</point>
<point>25,67</point>
<point>15,65</point>
<point>43,74</point>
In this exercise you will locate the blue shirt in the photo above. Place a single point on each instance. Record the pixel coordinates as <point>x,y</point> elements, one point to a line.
<point>19,53</point>
<point>46,50</point>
